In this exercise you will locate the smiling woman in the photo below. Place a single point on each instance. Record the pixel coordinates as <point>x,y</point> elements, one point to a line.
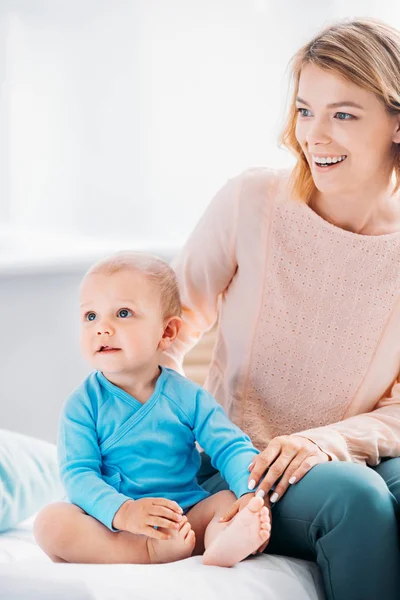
<point>344,128</point>
<point>301,268</point>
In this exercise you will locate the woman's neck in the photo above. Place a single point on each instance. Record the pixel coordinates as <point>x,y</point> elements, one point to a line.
<point>376,212</point>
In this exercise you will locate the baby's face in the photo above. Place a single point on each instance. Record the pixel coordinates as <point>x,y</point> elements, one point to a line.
<point>121,321</point>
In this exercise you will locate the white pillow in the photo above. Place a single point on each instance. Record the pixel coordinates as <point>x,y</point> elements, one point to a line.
<point>29,477</point>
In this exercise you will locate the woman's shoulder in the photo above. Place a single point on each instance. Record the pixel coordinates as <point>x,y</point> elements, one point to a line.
<point>261,183</point>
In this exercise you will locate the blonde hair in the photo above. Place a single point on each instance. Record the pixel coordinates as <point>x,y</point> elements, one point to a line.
<point>363,51</point>
<point>154,268</point>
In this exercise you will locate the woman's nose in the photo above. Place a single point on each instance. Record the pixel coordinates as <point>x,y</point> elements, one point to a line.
<point>317,133</point>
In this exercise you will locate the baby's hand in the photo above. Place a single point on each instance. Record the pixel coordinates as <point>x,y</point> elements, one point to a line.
<point>237,506</point>
<point>141,516</point>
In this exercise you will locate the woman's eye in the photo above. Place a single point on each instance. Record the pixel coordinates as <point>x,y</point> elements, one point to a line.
<point>124,312</point>
<point>342,116</point>
<point>90,316</point>
<point>302,112</point>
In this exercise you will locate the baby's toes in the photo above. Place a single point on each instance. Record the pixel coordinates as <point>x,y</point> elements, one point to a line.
<point>185,530</point>
<point>190,537</point>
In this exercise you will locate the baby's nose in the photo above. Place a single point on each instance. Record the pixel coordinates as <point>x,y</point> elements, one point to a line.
<point>105,328</point>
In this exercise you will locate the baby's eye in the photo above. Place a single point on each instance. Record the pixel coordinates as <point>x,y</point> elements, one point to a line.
<point>124,313</point>
<point>90,316</point>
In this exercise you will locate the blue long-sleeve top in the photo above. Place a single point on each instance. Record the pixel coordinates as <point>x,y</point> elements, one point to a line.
<point>112,448</point>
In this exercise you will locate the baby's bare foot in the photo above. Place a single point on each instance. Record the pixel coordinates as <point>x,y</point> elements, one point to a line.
<point>246,533</point>
<point>179,546</point>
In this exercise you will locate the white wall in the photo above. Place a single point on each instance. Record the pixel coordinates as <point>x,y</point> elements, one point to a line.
<point>119,119</point>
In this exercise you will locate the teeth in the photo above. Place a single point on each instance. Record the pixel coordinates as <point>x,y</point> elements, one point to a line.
<point>328,160</point>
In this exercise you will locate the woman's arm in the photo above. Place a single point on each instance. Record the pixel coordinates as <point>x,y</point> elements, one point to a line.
<point>204,269</point>
<point>366,437</point>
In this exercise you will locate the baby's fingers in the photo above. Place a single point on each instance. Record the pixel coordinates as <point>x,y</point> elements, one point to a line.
<point>230,513</point>
<point>174,506</point>
<point>160,522</point>
<point>167,513</point>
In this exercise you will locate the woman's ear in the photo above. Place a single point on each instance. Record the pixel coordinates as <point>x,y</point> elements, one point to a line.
<point>172,326</point>
<point>396,136</point>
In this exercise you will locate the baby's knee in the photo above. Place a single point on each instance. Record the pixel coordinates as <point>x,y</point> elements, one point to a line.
<point>225,498</point>
<point>52,524</point>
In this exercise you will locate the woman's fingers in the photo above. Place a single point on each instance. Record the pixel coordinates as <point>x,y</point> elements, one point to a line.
<point>263,461</point>
<point>275,471</point>
<point>307,465</point>
<point>296,471</point>
<point>287,477</point>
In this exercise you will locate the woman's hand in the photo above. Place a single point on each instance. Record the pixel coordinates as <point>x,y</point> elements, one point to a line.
<point>287,456</point>
<point>239,505</point>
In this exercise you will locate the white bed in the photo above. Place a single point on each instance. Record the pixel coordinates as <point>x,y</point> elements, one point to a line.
<point>27,574</point>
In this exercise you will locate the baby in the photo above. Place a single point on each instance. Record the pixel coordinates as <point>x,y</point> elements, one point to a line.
<point>126,443</point>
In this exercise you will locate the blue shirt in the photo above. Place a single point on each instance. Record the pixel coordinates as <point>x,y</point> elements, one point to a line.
<point>112,448</point>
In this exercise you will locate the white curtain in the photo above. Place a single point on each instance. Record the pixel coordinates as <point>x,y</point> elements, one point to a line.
<point>119,119</point>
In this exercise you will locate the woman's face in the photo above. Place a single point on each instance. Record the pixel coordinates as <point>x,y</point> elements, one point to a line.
<point>346,128</point>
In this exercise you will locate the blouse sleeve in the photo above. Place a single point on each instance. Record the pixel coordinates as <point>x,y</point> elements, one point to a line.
<point>204,269</point>
<point>364,438</point>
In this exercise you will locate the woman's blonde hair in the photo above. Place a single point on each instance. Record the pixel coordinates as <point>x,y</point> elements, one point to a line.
<point>154,268</point>
<point>363,51</point>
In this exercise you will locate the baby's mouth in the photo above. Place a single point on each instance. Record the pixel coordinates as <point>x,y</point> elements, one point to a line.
<point>108,349</point>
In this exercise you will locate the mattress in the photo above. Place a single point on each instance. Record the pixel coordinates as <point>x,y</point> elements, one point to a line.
<point>26,573</point>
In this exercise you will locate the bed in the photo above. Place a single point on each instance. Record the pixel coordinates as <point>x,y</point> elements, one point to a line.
<point>26,573</point>
<point>29,479</point>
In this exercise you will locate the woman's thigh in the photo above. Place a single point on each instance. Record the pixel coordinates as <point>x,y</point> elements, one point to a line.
<point>335,497</point>
<point>343,516</point>
<point>389,470</point>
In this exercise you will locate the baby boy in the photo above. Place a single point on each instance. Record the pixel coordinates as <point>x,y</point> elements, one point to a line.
<point>127,434</point>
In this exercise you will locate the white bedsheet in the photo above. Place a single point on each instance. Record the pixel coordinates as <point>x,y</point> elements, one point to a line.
<point>26,573</point>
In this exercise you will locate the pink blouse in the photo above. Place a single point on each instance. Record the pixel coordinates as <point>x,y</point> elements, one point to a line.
<point>308,337</point>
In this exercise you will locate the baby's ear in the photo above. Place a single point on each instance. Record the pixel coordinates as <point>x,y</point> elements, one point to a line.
<point>172,326</point>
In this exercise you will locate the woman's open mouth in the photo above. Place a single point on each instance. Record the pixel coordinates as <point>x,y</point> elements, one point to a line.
<point>327,163</point>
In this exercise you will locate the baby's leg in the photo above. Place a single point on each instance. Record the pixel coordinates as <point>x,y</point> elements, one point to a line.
<point>226,544</point>
<point>67,534</point>
<point>204,518</point>
<point>248,530</point>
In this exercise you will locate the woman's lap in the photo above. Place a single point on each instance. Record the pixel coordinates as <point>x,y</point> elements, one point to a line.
<point>343,516</point>
<point>389,470</point>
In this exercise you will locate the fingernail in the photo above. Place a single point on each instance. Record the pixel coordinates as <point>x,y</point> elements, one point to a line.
<point>292,479</point>
<point>250,465</point>
<point>274,497</point>
<point>252,484</point>
<point>260,493</point>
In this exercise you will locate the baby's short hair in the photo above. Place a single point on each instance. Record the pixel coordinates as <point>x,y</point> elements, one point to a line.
<point>154,268</point>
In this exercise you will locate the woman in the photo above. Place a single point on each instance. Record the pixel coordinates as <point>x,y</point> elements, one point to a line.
<point>303,269</point>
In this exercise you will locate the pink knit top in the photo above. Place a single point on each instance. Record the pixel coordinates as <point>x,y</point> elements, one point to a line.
<point>308,320</point>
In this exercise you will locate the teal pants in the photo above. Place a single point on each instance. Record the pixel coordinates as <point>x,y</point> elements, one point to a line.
<point>345,517</point>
